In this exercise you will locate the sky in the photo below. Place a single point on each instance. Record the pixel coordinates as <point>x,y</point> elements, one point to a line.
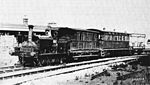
<point>122,15</point>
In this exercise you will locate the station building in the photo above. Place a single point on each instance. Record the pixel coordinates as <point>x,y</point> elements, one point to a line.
<point>12,34</point>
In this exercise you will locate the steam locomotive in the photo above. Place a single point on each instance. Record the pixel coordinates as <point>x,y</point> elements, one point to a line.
<point>63,45</point>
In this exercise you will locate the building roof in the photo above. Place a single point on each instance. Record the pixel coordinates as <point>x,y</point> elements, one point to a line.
<point>20,27</point>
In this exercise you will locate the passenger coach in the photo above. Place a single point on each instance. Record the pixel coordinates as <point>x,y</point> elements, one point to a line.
<point>114,43</point>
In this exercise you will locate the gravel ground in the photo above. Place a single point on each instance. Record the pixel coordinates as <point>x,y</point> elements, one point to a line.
<point>66,78</point>
<point>103,75</point>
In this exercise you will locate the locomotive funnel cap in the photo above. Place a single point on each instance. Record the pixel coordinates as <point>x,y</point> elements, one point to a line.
<point>30,26</point>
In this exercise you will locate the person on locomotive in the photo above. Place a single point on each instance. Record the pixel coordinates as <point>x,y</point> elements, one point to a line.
<point>48,32</point>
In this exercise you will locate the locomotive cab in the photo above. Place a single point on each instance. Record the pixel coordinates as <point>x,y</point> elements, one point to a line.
<point>46,45</point>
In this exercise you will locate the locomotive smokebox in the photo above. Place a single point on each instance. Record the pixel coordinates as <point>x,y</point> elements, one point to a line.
<point>30,32</point>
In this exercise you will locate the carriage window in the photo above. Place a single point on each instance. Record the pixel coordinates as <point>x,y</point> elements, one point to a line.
<point>110,37</point>
<point>95,37</point>
<point>80,45</point>
<point>123,38</point>
<point>81,36</point>
<point>74,45</point>
<point>84,36</point>
<point>90,36</point>
<point>120,38</point>
<point>87,44</point>
<point>84,45</point>
<point>87,36</point>
<point>78,35</point>
<point>115,38</point>
<point>90,45</point>
<point>127,38</point>
<point>105,37</point>
<point>99,36</point>
<point>94,45</point>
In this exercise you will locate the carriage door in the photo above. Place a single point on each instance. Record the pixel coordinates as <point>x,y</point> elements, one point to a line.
<point>62,46</point>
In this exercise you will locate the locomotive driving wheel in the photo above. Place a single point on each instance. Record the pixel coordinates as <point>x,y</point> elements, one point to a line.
<point>42,62</point>
<point>36,62</point>
<point>61,60</point>
<point>48,61</point>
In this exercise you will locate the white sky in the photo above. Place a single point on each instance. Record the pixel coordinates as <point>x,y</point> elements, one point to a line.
<point>122,15</point>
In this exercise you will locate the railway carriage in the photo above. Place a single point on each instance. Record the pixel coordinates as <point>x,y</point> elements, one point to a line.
<point>114,43</point>
<point>82,43</point>
<point>137,42</point>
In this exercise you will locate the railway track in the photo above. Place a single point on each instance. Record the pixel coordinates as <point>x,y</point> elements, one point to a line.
<point>6,67</point>
<point>55,70</point>
<point>14,68</point>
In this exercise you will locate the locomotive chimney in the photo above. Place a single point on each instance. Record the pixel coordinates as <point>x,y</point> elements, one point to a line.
<point>30,32</point>
<point>25,20</point>
<point>104,28</point>
<point>114,30</point>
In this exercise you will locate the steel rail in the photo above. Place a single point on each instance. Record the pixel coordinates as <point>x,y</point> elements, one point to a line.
<point>79,68</point>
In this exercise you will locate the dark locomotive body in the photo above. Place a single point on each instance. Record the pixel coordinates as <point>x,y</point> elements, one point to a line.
<point>63,45</point>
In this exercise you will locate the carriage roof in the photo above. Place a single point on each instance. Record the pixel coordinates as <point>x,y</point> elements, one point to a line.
<point>71,29</point>
<point>110,32</point>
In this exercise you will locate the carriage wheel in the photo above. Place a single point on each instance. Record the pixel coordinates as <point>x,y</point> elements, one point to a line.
<point>34,63</point>
<point>53,61</point>
<point>61,60</point>
<point>39,63</point>
<point>42,62</point>
<point>48,61</point>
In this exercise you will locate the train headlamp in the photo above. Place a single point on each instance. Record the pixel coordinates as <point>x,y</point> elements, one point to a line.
<point>32,53</point>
